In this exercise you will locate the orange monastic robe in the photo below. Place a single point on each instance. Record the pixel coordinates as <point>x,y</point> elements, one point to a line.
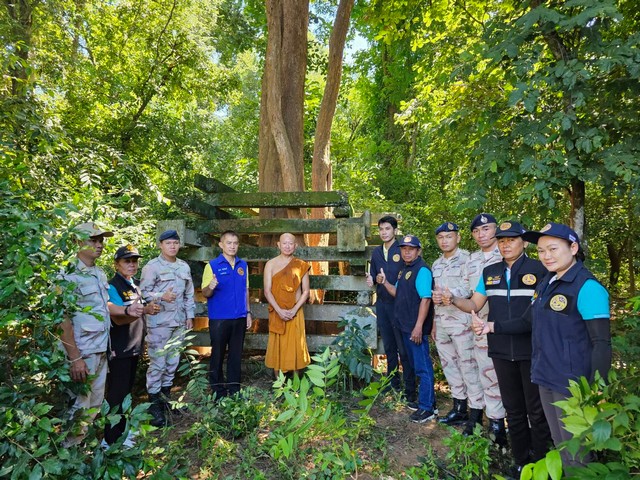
<point>287,346</point>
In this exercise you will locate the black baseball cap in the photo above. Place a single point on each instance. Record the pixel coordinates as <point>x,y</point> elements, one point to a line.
<point>128,251</point>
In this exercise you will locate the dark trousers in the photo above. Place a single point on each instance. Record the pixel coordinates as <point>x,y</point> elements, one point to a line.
<point>120,380</point>
<point>394,348</point>
<point>528,429</point>
<point>558,433</point>
<point>226,336</point>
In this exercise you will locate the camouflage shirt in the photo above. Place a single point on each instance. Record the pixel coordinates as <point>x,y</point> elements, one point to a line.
<point>447,272</point>
<point>472,272</point>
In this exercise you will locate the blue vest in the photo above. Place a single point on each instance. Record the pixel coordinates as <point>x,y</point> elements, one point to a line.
<point>511,301</point>
<point>229,298</point>
<point>561,342</point>
<point>407,302</point>
<point>391,267</point>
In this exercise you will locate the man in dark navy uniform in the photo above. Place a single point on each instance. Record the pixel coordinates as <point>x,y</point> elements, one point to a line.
<point>386,258</point>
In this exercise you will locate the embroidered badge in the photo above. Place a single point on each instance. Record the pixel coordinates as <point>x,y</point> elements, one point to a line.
<point>407,239</point>
<point>546,227</point>
<point>529,279</point>
<point>240,271</point>
<point>505,226</point>
<point>558,303</point>
<point>450,226</point>
<point>396,258</point>
<point>493,280</point>
<point>407,276</point>
<point>483,219</point>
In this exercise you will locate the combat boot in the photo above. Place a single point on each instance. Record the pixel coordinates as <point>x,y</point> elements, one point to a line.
<point>457,415</point>
<point>156,410</point>
<point>498,432</point>
<point>475,418</point>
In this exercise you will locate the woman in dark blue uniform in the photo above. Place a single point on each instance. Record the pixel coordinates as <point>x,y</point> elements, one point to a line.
<point>571,337</point>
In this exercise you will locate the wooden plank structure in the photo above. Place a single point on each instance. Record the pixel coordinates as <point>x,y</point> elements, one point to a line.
<point>349,296</point>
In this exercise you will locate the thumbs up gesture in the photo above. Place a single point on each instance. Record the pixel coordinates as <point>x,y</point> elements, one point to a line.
<point>369,280</point>
<point>213,283</point>
<point>436,295</point>
<point>136,309</point>
<point>169,296</point>
<point>381,277</point>
<point>447,296</point>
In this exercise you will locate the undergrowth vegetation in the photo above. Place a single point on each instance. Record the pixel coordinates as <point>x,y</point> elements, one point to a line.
<point>321,425</point>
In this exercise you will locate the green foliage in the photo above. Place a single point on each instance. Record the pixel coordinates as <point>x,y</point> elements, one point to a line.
<point>351,351</point>
<point>468,457</point>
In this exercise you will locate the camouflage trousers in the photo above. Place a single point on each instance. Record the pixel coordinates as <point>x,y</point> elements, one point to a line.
<point>455,344</point>
<point>97,366</point>
<point>164,345</point>
<point>488,379</point>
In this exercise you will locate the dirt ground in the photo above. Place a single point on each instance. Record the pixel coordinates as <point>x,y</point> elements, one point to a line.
<point>406,442</point>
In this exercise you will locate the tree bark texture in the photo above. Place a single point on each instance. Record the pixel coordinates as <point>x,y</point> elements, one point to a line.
<point>321,175</point>
<point>280,155</point>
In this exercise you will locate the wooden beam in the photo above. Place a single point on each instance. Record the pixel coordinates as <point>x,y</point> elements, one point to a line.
<point>262,254</point>
<point>203,209</point>
<point>279,199</point>
<point>210,185</point>
<point>271,225</point>
<point>327,312</point>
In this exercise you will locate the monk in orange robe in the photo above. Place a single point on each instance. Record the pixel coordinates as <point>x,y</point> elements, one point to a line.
<point>286,286</point>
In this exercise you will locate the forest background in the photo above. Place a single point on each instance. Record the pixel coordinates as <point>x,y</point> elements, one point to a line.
<point>525,109</point>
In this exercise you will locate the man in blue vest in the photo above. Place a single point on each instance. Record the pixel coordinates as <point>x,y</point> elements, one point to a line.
<point>225,283</point>
<point>413,315</point>
<point>387,258</point>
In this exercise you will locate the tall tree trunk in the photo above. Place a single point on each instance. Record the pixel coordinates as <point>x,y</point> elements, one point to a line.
<point>20,12</point>
<point>578,197</point>
<point>280,156</point>
<point>615,262</point>
<point>321,177</point>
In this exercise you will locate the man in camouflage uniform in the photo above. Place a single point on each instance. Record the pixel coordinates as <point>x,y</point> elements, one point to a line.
<point>483,229</point>
<point>167,281</point>
<point>85,329</point>
<point>453,334</point>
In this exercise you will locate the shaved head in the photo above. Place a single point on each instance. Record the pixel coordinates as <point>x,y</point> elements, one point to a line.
<point>287,236</point>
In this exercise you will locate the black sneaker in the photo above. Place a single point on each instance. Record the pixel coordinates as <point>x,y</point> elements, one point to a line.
<point>413,406</point>
<point>421,416</point>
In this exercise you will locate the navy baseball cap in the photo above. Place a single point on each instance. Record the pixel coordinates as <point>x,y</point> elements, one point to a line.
<point>482,219</point>
<point>128,251</point>
<point>558,230</point>
<point>509,229</point>
<point>447,227</point>
<point>169,235</point>
<point>410,241</point>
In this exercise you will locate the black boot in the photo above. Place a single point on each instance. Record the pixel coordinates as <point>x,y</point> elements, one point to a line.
<point>498,432</point>
<point>457,415</point>
<point>475,418</point>
<point>166,399</point>
<point>157,410</point>
<point>168,408</point>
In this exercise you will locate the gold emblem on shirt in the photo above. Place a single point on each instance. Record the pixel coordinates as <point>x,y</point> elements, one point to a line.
<point>396,258</point>
<point>407,275</point>
<point>529,279</point>
<point>493,280</point>
<point>558,303</point>
<point>240,271</point>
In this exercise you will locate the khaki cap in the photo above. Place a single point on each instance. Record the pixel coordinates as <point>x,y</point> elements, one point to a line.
<point>92,230</point>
